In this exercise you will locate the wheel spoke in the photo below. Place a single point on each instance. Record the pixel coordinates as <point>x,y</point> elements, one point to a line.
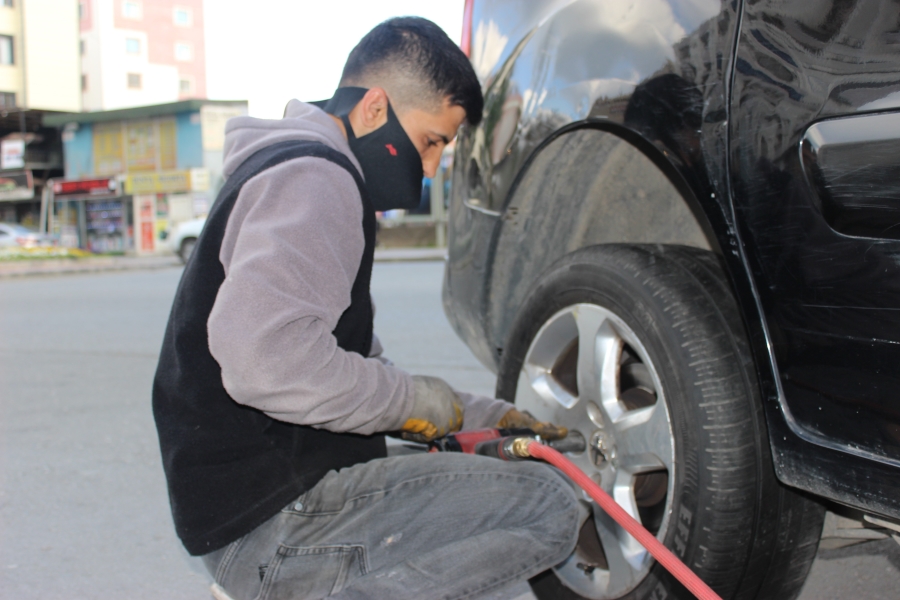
<point>622,574</point>
<point>530,399</point>
<point>644,439</point>
<point>623,494</point>
<point>599,348</point>
<point>542,383</point>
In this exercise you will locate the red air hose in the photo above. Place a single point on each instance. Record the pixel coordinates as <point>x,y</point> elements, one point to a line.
<point>662,554</point>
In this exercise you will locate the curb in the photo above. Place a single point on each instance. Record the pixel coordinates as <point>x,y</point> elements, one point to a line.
<point>409,254</point>
<point>65,266</point>
<point>29,268</point>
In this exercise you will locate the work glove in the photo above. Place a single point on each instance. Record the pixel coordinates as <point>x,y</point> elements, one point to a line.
<point>515,419</point>
<point>437,410</point>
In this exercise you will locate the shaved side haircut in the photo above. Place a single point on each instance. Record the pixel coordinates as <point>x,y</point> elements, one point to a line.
<point>417,65</point>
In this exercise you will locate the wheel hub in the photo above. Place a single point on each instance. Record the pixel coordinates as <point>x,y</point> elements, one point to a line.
<point>603,450</point>
<point>587,370</point>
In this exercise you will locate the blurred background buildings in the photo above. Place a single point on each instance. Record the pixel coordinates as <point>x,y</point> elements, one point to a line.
<point>103,99</point>
<point>108,140</point>
<point>39,73</point>
<point>61,58</point>
<point>140,52</point>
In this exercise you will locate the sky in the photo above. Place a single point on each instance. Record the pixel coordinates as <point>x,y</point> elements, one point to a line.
<point>269,51</point>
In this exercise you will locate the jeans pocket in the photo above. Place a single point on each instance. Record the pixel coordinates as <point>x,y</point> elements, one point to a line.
<point>312,571</point>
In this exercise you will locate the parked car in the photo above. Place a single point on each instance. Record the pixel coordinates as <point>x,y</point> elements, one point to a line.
<point>677,232</point>
<point>15,235</point>
<point>184,237</point>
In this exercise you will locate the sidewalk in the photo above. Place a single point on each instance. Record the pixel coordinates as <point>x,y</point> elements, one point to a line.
<point>59,266</point>
<point>409,254</point>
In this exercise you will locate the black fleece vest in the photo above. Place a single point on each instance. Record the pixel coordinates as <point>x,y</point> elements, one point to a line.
<point>229,467</point>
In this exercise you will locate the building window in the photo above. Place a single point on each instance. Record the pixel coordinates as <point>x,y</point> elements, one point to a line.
<point>182,16</point>
<point>183,51</point>
<point>81,47</point>
<point>6,50</point>
<point>134,81</point>
<point>80,11</point>
<point>84,83</point>
<point>7,100</point>
<point>185,86</point>
<point>132,45</point>
<point>8,3</point>
<point>131,9</point>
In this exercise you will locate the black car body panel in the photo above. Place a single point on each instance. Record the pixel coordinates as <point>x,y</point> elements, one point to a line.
<point>763,132</point>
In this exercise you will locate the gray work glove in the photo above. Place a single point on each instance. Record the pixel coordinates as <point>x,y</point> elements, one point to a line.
<point>437,410</point>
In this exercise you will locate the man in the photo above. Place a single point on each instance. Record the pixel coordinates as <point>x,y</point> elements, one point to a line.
<point>271,391</point>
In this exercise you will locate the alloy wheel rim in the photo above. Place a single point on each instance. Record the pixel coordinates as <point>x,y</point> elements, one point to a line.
<point>587,370</point>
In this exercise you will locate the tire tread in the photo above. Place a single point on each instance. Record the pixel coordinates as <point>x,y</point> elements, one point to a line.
<point>742,494</point>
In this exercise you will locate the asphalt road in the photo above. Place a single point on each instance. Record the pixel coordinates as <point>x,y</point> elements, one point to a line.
<point>83,507</point>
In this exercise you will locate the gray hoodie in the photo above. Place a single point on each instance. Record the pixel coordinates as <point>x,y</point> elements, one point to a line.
<point>291,251</point>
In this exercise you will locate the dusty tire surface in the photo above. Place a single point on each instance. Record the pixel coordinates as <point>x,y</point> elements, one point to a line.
<point>728,518</point>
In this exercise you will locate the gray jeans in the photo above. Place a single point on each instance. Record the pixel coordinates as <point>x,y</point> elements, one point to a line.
<point>421,526</point>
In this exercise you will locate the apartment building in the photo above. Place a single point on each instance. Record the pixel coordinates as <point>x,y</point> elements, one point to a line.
<point>39,73</point>
<point>140,52</point>
<point>38,55</point>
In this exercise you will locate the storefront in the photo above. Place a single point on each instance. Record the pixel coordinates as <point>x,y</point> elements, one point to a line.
<point>109,215</point>
<point>91,214</point>
<point>15,187</point>
<point>30,154</point>
<point>165,161</point>
<point>163,199</point>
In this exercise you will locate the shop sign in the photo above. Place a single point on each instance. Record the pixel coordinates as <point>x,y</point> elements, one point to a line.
<point>17,185</point>
<point>164,182</point>
<point>212,122</point>
<point>85,187</point>
<point>140,146</point>
<point>199,180</point>
<point>167,182</point>
<point>12,154</point>
<point>109,152</point>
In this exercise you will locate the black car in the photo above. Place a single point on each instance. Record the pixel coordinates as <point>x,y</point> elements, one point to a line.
<point>677,232</point>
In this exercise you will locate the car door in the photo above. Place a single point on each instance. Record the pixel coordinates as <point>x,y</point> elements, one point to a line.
<point>815,167</point>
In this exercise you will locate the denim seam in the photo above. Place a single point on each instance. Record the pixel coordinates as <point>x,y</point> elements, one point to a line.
<point>230,553</point>
<point>341,550</point>
<point>271,573</point>
<point>360,549</point>
<point>540,483</point>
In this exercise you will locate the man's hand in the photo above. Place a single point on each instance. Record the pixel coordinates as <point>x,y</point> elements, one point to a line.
<point>437,410</point>
<point>515,419</point>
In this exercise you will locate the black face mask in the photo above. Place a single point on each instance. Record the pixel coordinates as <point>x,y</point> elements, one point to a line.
<point>390,163</point>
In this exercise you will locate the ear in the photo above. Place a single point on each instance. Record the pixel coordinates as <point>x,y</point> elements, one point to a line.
<point>371,112</point>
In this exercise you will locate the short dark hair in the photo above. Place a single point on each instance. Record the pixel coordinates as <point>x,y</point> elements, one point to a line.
<point>417,50</point>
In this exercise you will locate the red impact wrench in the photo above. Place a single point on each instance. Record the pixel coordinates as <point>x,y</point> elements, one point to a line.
<point>520,444</point>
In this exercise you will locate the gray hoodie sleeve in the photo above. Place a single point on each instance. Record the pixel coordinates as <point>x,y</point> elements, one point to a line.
<point>479,412</point>
<point>291,252</point>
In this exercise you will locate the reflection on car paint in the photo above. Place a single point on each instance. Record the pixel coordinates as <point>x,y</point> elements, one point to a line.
<point>683,122</point>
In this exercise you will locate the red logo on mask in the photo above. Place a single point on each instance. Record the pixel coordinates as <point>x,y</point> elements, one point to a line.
<point>391,149</point>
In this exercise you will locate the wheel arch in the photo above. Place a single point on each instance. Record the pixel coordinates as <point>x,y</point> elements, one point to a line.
<point>538,225</point>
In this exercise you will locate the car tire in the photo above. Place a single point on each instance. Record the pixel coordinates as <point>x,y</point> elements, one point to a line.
<point>187,248</point>
<point>641,349</point>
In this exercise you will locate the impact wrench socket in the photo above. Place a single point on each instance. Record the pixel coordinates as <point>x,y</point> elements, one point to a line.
<point>498,443</point>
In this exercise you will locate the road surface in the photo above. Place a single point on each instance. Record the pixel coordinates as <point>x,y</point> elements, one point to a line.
<point>83,507</point>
